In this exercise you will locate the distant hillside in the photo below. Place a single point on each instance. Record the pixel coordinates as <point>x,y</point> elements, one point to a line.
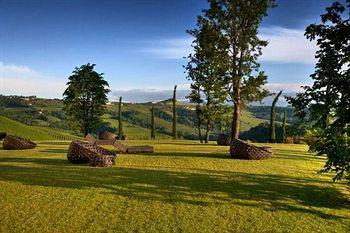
<point>47,114</point>
<point>32,132</point>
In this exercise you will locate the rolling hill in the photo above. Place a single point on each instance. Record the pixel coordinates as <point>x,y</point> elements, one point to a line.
<point>44,119</point>
<point>32,132</point>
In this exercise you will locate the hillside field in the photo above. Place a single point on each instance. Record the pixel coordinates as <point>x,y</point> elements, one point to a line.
<point>183,187</point>
<point>44,119</point>
<point>32,132</point>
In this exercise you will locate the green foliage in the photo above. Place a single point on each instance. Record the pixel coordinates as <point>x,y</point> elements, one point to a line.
<point>153,127</point>
<point>120,118</point>
<point>238,23</point>
<point>136,122</point>
<point>264,112</point>
<point>328,99</point>
<point>261,133</point>
<point>85,98</point>
<point>14,101</point>
<point>206,69</point>
<point>272,119</point>
<point>174,132</point>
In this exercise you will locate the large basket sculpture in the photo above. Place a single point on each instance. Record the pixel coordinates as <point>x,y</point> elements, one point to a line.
<point>224,140</point>
<point>243,150</point>
<point>103,160</point>
<point>105,135</point>
<point>80,152</point>
<point>11,142</point>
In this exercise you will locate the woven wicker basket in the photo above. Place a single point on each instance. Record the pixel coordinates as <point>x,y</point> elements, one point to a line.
<point>242,150</point>
<point>224,140</point>
<point>80,152</point>
<point>103,160</point>
<point>11,142</point>
<point>105,135</point>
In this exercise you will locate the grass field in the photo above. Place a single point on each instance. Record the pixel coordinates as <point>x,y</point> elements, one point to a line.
<point>33,132</point>
<point>183,187</point>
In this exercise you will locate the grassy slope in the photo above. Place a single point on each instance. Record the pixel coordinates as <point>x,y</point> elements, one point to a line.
<point>133,131</point>
<point>248,121</point>
<point>183,187</point>
<point>32,132</point>
<point>143,112</point>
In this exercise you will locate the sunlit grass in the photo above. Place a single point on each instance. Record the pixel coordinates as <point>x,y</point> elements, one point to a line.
<point>33,132</point>
<point>183,187</point>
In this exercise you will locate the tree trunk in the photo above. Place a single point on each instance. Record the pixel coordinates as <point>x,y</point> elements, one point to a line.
<point>153,127</point>
<point>236,119</point>
<point>174,133</point>
<point>199,128</point>
<point>236,122</point>
<point>272,125</point>
<point>207,133</point>
<point>120,134</point>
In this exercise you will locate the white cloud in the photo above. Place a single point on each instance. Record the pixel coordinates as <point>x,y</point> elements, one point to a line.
<point>176,48</point>
<point>285,46</point>
<point>22,80</point>
<point>286,87</point>
<point>151,93</point>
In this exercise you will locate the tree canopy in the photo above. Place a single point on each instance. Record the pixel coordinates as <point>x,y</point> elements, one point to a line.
<point>238,22</point>
<point>207,70</point>
<point>85,98</point>
<point>327,101</point>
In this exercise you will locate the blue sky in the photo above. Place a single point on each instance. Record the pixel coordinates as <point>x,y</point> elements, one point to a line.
<point>138,44</point>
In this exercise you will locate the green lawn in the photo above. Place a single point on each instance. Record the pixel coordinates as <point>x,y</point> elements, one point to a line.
<point>183,187</point>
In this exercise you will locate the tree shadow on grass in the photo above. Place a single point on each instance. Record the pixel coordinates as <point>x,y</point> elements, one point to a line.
<point>55,151</point>
<point>297,155</point>
<point>176,143</point>
<point>195,187</point>
<point>213,155</point>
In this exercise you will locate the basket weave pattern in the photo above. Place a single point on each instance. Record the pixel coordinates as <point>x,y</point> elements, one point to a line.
<point>224,140</point>
<point>242,150</point>
<point>103,161</point>
<point>11,142</point>
<point>80,152</point>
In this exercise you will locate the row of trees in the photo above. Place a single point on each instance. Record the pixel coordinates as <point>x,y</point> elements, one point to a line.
<point>85,101</point>
<point>223,66</point>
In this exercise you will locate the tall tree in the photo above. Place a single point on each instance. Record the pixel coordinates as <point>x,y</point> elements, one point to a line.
<point>195,97</point>
<point>153,127</point>
<point>174,114</point>
<point>85,98</point>
<point>120,119</point>
<point>284,123</point>
<point>238,22</point>
<point>272,119</point>
<point>207,69</point>
<point>327,101</point>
